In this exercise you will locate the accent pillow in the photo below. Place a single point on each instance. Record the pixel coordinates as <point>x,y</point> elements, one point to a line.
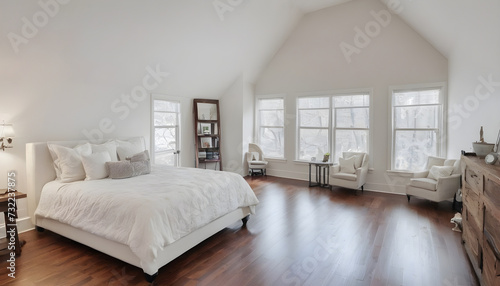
<point>68,161</point>
<point>437,172</point>
<point>141,168</point>
<point>358,160</point>
<point>141,163</point>
<point>347,165</point>
<point>127,169</point>
<point>129,148</point>
<point>120,169</point>
<point>142,156</point>
<point>95,165</point>
<point>109,147</point>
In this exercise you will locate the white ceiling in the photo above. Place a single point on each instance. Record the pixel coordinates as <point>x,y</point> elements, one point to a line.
<point>204,52</point>
<point>314,5</point>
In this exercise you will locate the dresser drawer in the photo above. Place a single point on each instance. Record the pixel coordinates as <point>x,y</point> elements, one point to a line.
<point>471,238</point>
<point>492,191</point>
<point>492,225</point>
<point>474,205</point>
<point>491,258</point>
<point>474,179</point>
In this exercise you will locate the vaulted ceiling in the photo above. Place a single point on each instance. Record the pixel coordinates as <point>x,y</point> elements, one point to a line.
<point>204,45</point>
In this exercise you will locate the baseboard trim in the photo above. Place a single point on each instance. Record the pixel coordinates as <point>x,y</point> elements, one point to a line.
<point>373,187</point>
<point>23,224</point>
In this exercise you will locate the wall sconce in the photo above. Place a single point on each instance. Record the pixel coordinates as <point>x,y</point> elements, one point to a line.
<point>6,135</point>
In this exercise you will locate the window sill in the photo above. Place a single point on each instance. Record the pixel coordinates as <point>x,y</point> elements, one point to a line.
<point>276,159</point>
<point>406,174</point>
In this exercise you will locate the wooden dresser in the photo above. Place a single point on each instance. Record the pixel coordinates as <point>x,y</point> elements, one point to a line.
<point>481,217</point>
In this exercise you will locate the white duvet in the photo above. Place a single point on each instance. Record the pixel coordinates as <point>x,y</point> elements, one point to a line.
<point>147,212</point>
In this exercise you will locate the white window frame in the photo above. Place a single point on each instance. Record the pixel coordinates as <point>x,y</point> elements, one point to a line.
<point>298,127</point>
<point>258,126</point>
<point>332,125</point>
<point>177,127</point>
<point>441,135</point>
<point>367,92</point>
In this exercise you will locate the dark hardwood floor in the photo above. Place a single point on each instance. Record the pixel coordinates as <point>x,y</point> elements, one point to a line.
<point>299,236</point>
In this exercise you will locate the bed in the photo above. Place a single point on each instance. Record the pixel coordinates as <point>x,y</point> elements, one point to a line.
<point>182,207</point>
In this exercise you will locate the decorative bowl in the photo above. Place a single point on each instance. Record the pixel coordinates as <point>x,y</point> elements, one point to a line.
<point>482,149</point>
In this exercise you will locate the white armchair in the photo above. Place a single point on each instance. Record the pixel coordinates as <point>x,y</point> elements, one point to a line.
<point>255,159</point>
<point>351,171</point>
<point>439,182</point>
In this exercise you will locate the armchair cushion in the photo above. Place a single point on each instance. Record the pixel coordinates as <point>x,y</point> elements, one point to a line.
<point>437,172</point>
<point>257,164</point>
<point>345,176</point>
<point>434,161</point>
<point>358,158</point>
<point>424,183</point>
<point>347,165</point>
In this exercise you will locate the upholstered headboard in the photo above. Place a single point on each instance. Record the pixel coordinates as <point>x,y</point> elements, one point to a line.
<point>40,170</point>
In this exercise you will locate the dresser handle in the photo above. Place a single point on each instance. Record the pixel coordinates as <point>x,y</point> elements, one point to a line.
<point>491,243</point>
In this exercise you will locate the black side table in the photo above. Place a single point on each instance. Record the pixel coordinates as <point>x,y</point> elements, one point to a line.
<point>322,174</point>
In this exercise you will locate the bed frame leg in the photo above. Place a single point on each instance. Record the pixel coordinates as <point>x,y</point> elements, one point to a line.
<point>150,278</point>
<point>245,220</point>
<point>39,228</point>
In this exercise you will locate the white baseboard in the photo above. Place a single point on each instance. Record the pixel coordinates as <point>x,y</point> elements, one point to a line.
<point>374,187</point>
<point>23,224</point>
<point>288,174</point>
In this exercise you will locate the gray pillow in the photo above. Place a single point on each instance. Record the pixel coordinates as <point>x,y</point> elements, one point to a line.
<point>142,156</point>
<point>136,165</point>
<point>120,169</point>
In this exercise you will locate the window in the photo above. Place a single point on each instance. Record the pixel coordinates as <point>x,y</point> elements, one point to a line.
<point>313,127</point>
<point>417,126</point>
<point>166,125</point>
<point>351,123</point>
<point>333,124</point>
<point>271,125</point>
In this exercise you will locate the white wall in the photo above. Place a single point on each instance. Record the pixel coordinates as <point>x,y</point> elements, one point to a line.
<point>474,78</point>
<point>237,125</point>
<point>312,60</point>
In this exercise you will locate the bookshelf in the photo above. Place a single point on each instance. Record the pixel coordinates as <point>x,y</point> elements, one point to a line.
<point>207,133</point>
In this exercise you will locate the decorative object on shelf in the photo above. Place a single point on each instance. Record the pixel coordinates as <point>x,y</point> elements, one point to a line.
<point>313,159</point>
<point>482,148</point>
<point>206,142</point>
<point>326,157</point>
<point>6,135</point>
<point>491,158</point>
<point>207,133</point>
<point>206,128</point>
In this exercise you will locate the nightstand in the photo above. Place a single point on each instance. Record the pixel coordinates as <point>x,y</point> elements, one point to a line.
<point>8,205</point>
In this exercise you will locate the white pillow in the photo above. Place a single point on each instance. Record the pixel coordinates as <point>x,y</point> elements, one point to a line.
<point>95,165</point>
<point>437,172</point>
<point>358,158</point>
<point>68,161</point>
<point>129,148</point>
<point>347,165</point>
<point>109,147</point>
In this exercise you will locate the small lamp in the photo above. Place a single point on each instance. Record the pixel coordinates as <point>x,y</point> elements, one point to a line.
<point>6,135</point>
